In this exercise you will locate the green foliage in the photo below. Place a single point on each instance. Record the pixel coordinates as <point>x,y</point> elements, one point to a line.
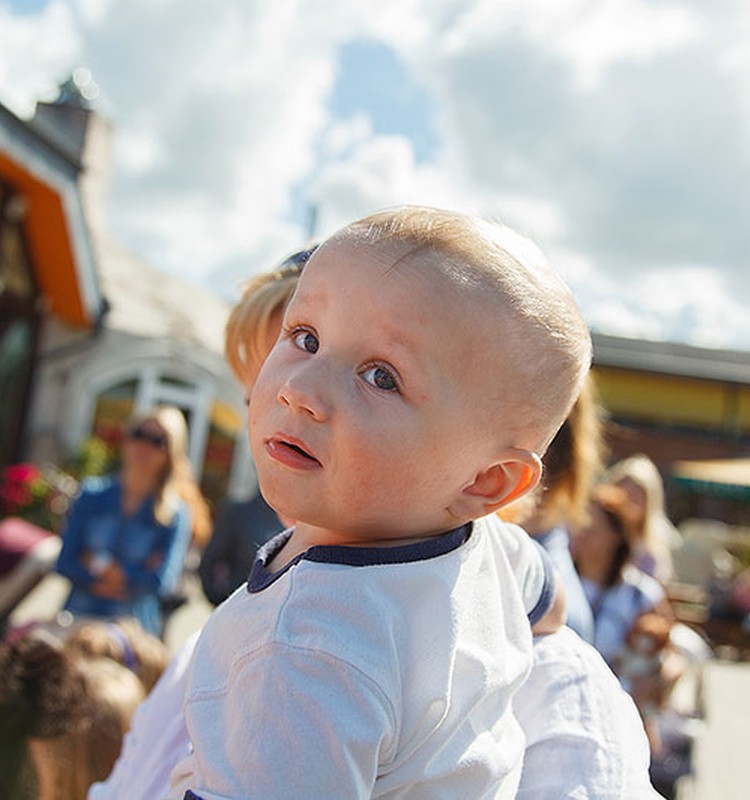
<point>94,457</point>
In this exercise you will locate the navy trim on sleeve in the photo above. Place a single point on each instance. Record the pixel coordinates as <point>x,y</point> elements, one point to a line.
<point>547,595</point>
<point>190,795</point>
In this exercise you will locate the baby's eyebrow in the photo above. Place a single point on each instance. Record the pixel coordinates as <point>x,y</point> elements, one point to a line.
<point>306,301</point>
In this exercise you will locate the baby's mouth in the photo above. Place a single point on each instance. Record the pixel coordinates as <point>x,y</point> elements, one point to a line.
<point>298,449</point>
<point>291,453</point>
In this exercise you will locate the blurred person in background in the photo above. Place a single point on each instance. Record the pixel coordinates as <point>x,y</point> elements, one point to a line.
<point>636,633</point>
<point>63,717</point>
<point>584,735</point>
<point>572,464</point>
<point>126,537</point>
<point>617,591</point>
<point>124,641</point>
<point>653,536</point>
<point>242,526</point>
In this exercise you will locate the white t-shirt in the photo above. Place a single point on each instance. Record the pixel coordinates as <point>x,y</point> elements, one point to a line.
<point>369,672</point>
<point>584,737</point>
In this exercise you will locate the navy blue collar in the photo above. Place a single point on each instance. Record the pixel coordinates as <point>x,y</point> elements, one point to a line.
<point>261,576</point>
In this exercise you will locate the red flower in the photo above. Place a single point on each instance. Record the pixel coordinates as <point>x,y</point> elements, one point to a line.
<point>21,473</point>
<point>39,496</point>
<point>16,495</point>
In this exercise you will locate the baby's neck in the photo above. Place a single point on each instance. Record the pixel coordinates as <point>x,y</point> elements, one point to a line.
<point>306,536</point>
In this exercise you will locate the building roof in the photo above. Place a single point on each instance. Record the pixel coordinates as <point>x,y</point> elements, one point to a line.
<point>669,358</point>
<point>147,302</point>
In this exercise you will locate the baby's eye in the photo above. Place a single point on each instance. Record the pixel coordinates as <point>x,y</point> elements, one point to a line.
<point>306,341</point>
<point>381,378</point>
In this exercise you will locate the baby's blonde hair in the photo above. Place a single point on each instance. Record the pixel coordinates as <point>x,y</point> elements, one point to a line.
<point>550,352</point>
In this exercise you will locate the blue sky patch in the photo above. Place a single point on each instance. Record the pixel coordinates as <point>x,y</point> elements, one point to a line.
<point>374,81</point>
<point>27,6</point>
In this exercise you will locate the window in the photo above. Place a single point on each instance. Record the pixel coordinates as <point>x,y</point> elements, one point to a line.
<point>113,407</point>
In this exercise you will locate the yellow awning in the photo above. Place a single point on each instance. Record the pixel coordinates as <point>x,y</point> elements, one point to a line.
<point>727,471</point>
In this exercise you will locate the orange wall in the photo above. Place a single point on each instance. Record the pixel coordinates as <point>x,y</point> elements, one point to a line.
<point>49,243</point>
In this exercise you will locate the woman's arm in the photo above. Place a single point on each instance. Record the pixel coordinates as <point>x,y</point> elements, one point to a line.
<point>161,570</point>
<point>70,562</point>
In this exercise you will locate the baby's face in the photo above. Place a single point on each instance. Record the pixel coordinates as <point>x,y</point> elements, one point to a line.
<point>370,414</point>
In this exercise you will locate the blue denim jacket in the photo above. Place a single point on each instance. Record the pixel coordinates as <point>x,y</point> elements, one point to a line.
<point>96,526</point>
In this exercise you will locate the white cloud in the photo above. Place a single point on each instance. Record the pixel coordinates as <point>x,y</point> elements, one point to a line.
<point>613,133</point>
<point>688,304</point>
<point>343,135</point>
<point>693,302</point>
<point>92,12</point>
<point>382,171</point>
<point>37,52</point>
<point>140,148</point>
<point>595,37</point>
<point>215,122</point>
<point>589,37</point>
<point>537,218</point>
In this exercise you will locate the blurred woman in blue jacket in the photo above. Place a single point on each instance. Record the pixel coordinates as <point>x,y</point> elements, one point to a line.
<point>125,540</point>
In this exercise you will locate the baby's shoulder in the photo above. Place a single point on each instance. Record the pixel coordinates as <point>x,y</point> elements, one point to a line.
<point>513,541</point>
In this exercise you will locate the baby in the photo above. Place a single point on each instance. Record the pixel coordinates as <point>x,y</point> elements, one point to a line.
<point>423,365</point>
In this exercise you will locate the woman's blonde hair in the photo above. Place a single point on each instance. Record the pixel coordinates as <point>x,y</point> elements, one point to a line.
<point>574,461</point>
<point>246,336</point>
<point>572,465</point>
<point>176,482</point>
<point>642,471</point>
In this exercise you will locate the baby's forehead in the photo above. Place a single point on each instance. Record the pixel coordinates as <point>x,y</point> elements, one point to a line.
<point>383,253</point>
<point>390,255</point>
<point>430,282</point>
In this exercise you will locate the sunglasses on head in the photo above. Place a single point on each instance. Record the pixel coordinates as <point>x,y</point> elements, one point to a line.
<point>158,440</point>
<point>296,261</point>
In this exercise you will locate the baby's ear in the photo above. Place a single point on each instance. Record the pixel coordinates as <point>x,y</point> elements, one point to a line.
<point>512,476</point>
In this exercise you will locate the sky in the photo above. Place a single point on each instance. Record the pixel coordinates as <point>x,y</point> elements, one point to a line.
<point>614,133</point>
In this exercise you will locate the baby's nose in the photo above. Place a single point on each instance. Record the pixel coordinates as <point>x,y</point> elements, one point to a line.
<point>304,391</point>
